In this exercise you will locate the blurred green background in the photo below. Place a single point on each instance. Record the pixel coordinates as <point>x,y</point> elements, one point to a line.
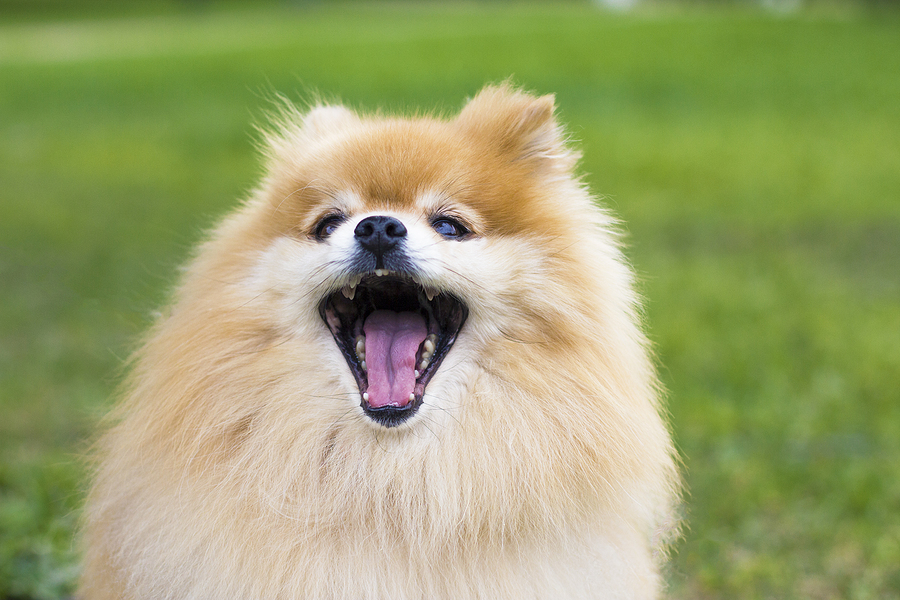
<point>753,152</point>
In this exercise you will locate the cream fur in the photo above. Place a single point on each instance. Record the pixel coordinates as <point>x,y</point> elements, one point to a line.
<point>240,465</point>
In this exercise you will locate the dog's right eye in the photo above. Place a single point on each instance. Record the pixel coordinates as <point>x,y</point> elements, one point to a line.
<point>326,226</point>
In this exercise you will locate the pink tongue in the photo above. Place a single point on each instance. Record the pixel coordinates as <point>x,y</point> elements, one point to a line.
<point>392,340</point>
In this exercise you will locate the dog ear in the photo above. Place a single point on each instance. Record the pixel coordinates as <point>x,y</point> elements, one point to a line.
<point>290,130</point>
<point>324,120</point>
<point>519,125</point>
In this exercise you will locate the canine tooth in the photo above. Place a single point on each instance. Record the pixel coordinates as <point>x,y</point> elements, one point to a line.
<point>429,346</point>
<point>430,294</point>
<point>348,292</point>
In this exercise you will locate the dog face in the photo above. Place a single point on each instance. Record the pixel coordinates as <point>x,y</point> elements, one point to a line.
<point>399,240</point>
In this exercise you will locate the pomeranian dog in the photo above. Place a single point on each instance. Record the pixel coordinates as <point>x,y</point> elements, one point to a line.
<point>409,367</point>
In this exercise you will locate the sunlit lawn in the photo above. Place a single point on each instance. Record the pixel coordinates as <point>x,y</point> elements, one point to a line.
<point>754,159</point>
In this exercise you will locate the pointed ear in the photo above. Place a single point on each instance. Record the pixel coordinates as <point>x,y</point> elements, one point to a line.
<point>520,125</point>
<point>290,131</point>
<point>324,120</point>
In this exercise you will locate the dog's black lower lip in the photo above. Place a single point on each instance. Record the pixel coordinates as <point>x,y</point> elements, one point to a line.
<point>391,416</point>
<point>344,316</point>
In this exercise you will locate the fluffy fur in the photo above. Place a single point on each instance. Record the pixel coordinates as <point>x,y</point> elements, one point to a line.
<point>242,464</point>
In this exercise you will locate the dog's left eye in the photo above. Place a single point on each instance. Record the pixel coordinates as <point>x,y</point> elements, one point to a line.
<point>449,228</point>
<point>326,226</point>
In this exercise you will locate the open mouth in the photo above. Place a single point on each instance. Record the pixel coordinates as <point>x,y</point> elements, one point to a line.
<point>394,334</point>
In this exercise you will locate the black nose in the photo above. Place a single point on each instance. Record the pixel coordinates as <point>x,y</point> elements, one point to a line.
<point>379,234</point>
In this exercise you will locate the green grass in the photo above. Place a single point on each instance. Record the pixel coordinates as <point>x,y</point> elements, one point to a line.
<point>754,159</point>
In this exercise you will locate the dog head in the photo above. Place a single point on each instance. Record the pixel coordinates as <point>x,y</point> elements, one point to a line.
<point>399,240</point>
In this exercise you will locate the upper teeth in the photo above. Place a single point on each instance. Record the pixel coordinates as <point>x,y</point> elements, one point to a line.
<point>428,347</point>
<point>349,290</point>
<point>361,352</point>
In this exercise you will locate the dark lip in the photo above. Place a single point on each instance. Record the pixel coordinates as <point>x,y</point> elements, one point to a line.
<point>444,316</point>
